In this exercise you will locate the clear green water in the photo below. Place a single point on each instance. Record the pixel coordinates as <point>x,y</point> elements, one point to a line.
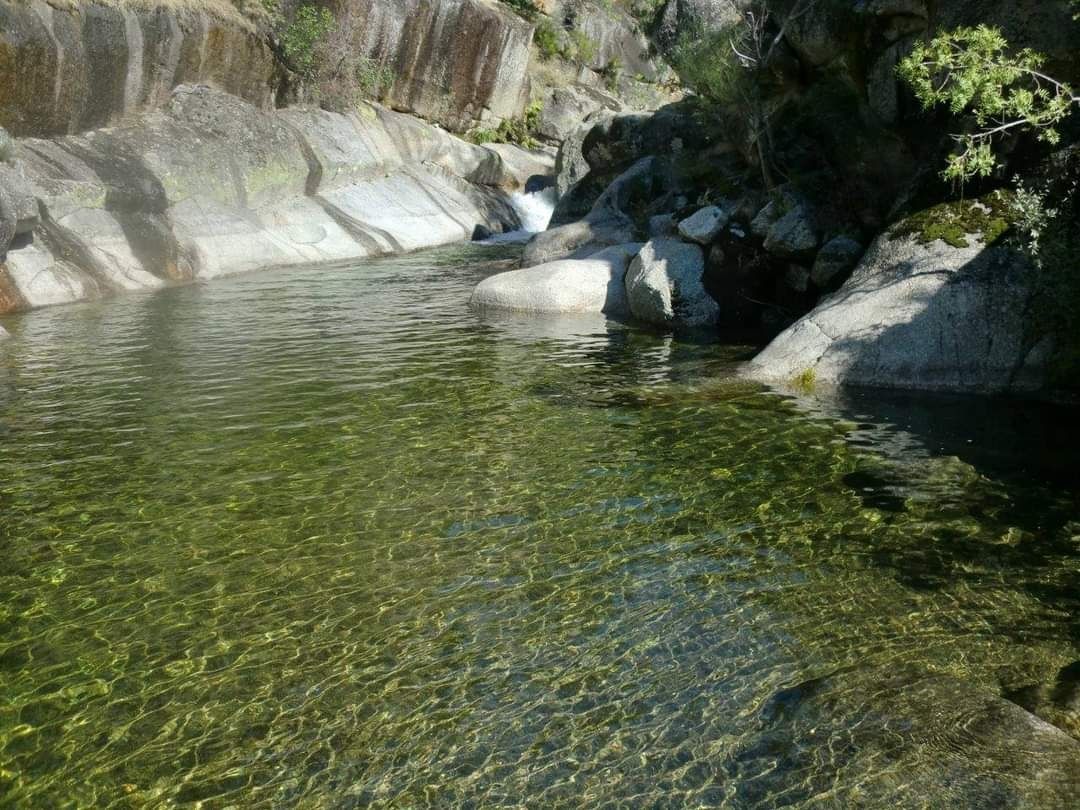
<point>327,538</point>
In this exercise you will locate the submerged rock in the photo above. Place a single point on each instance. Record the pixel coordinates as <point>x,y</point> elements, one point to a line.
<point>665,285</point>
<point>895,737</point>
<point>594,284</point>
<point>915,315</point>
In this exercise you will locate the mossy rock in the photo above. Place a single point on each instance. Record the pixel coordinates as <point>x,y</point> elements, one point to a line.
<point>988,218</point>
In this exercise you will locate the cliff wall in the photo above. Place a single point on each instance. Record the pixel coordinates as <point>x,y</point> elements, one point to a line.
<point>454,62</point>
<point>72,69</point>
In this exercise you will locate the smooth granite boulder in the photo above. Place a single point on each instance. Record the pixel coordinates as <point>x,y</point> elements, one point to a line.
<point>665,286</point>
<point>922,316</point>
<point>594,284</point>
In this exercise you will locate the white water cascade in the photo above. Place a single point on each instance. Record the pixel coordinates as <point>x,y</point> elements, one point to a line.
<point>534,210</point>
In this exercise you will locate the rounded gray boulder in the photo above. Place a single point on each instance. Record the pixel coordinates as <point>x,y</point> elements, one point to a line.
<point>665,286</point>
<point>589,285</point>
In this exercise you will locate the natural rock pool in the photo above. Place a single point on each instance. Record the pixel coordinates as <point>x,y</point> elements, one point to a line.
<point>326,538</point>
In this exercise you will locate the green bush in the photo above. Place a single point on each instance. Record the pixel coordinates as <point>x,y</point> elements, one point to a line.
<point>372,78</point>
<point>582,49</point>
<point>974,70</point>
<point>520,131</point>
<point>301,36</point>
<point>707,65</point>
<point>546,38</point>
<point>611,72</point>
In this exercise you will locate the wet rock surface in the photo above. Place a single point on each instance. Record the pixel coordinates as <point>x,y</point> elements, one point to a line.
<point>987,751</point>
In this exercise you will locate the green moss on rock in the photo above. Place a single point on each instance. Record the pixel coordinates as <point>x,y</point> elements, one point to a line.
<point>988,218</point>
<point>805,381</point>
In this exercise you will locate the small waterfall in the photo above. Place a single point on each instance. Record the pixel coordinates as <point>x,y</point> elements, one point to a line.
<point>534,210</point>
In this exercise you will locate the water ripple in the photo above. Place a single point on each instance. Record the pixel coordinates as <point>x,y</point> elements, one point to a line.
<point>326,538</point>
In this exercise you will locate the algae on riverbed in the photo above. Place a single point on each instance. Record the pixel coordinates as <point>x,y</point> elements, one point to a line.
<point>327,537</point>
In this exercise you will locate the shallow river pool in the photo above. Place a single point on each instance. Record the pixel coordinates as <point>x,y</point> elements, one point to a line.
<point>326,538</point>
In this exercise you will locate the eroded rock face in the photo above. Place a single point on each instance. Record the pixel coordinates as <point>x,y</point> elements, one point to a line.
<point>67,71</point>
<point>565,108</point>
<point>618,42</point>
<point>665,286</point>
<point>693,18</point>
<point>210,186</point>
<point>454,62</point>
<point>594,284</point>
<point>922,316</point>
<point>606,145</point>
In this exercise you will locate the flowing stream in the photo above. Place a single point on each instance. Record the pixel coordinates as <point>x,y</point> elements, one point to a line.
<point>534,209</point>
<point>326,538</point>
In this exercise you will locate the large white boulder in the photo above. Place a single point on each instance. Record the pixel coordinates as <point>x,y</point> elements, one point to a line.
<point>665,285</point>
<point>593,284</point>
<point>921,316</point>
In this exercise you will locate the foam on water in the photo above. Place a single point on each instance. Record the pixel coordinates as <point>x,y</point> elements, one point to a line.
<point>534,210</point>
